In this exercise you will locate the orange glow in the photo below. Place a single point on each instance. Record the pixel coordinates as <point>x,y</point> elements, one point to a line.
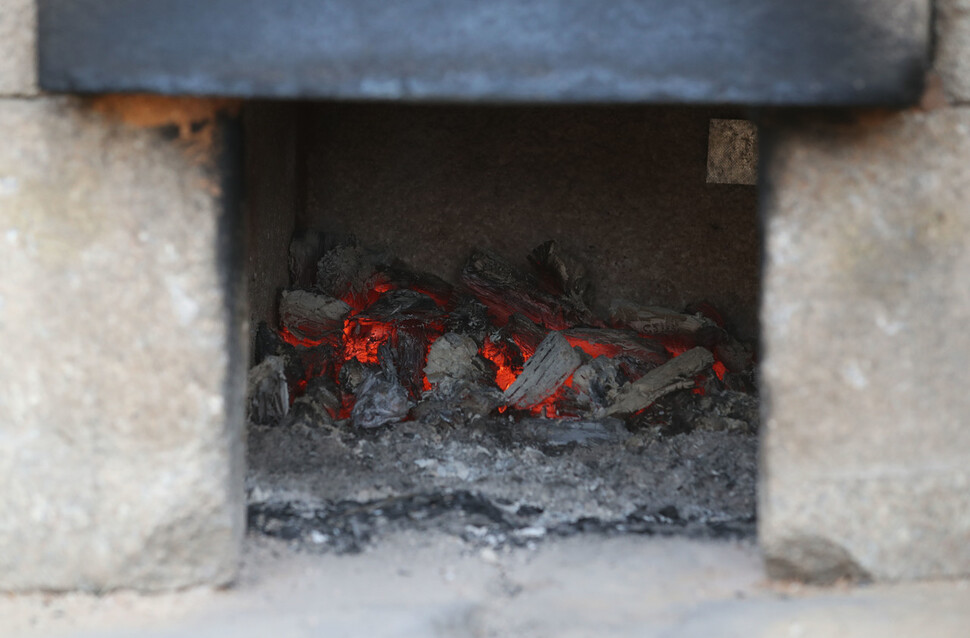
<point>594,349</point>
<point>719,369</point>
<point>293,340</point>
<point>363,337</point>
<point>509,349</point>
<point>506,372</point>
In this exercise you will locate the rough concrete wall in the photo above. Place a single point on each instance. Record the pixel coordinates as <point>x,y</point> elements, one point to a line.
<point>623,188</point>
<point>867,450</point>
<point>18,30</point>
<point>121,367</point>
<point>953,47</point>
<point>272,199</point>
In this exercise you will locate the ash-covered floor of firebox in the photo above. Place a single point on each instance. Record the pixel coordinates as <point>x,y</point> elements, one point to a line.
<point>686,466</point>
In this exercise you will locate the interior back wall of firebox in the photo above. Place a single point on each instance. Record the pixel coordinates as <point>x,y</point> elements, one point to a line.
<point>622,188</point>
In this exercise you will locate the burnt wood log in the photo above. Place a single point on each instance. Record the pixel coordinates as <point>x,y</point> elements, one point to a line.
<point>310,315</point>
<point>676,374</point>
<point>400,275</point>
<point>506,290</point>
<point>612,342</point>
<point>524,333</point>
<point>554,360</point>
<point>661,322</point>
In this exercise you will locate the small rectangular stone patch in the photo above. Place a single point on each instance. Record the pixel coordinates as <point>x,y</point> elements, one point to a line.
<point>732,152</point>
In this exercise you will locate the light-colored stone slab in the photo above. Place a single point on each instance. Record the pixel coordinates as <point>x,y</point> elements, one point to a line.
<point>953,47</point>
<point>121,364</point>
<point>18,56</point>
<point>866,449</point>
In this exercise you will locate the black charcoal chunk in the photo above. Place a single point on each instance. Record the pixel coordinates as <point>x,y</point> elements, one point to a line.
<point>380,400</point>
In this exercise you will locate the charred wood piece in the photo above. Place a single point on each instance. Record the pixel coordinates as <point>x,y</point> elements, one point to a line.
<point>267,394</point>
<point>380,400</point>
<point>524,333</point>
<point>470,317</point>
<point>310,315</point>
<point>676,374</point>
<point>350,273</point>
<point>598,382</point>
<point>554,360</point>
<point>402,276</point>
<point>506,290</point>
<point>454,358</point>
<point>396,306</point>
<point>613,342</point>
<point>663,322</point>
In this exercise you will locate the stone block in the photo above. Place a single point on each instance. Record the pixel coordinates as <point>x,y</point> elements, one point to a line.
<point>866,447</point>
<point>121,371</point>
<point>18,56</point>
<point>953,47</point>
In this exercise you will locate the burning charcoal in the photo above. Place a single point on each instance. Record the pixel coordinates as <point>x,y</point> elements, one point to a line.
<point>506,356</point>
<point>554,360</point>
<point>470,317</point>
<point>505,290</point>
<point>298,362</point>
<point>526,334</point>
<point>454,357</point>
<point>311,316</point>
<point>319,406</point>
<point>396,305</point>
<point>307,248</point>
<point>558,432</point>
<point>315,361</point>
<point>612,343</point>
<point>563,275</point>
<point>393,314</point>
<point>350,273</point>
<point>380,401</point>
<point>268,397</point>
<point>663,322</point>
<point>597,383</point>
<point>401,276</point>
<point>676,374</point>
<point>735,356</point>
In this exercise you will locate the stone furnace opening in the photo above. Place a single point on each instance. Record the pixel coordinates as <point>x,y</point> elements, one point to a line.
<point>504,322</point>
